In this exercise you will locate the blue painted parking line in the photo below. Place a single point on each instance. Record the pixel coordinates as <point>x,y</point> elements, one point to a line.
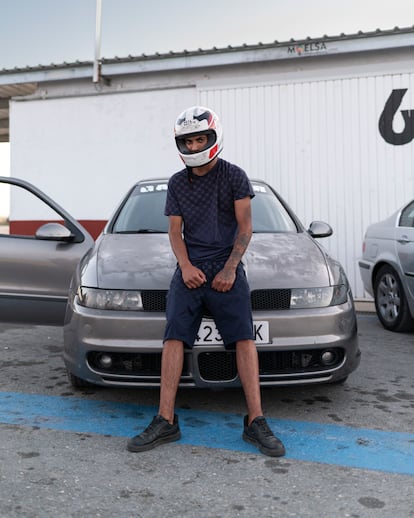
<point>313,442</point>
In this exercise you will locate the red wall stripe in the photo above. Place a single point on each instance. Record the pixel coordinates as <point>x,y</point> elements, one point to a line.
<point>29,227</point>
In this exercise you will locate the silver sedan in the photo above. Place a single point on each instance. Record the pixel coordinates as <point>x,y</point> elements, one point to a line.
<point>303,311</point>
<point>387,268</point>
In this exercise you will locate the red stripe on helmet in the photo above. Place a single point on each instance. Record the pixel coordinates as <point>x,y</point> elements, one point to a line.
<point>213,151</point>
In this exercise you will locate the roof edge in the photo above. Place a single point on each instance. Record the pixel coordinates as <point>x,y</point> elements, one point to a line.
<point>227,55</point>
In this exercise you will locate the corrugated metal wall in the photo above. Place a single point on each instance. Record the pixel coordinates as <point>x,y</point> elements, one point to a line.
<point>319,145</point>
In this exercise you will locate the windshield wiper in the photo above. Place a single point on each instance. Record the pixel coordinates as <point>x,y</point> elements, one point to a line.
<point>141,231</point>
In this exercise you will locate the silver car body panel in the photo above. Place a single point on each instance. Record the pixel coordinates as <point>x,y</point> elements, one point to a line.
<point>35,272</point>
<point>108,331</point>
<point>140,262</point>
<point>387,243</point>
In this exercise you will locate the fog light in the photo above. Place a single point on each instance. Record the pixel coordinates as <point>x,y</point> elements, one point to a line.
<point>105,361</point>
<point>328,357</point>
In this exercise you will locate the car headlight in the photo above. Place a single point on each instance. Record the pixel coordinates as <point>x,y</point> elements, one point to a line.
<point>318,297</point>
<point>121,300</point>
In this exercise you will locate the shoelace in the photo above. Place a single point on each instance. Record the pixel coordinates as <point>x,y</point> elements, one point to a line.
<point>264,427</point>
<point>151,426</point>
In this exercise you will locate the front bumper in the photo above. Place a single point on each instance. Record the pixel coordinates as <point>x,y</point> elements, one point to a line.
<point>365,270</point>
<point>133,341</point>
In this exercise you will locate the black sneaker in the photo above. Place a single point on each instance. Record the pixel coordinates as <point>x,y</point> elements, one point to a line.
<point>259,434</point>
<point>159,431</point>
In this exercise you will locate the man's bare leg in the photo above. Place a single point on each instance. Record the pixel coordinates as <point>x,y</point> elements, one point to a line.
<point>248,368</point>
<point>164,426</point>
<point>256,430</point>
<point>171,369</point>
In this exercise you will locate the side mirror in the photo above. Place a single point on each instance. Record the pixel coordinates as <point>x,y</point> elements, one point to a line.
<point>54,232</point>
<point>320,229</point>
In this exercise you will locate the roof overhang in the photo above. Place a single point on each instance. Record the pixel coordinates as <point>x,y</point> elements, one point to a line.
<point>8,91</point>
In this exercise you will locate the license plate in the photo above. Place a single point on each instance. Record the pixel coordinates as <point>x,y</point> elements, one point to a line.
<point>208,333</point>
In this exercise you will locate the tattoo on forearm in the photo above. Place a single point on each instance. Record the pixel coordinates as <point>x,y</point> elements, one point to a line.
<point>239,247</point>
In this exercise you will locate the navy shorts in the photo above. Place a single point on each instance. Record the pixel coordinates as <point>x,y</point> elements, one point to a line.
<point>230,310</point>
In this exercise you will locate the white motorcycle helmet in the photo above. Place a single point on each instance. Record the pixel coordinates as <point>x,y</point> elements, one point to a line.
<point>194,121</point>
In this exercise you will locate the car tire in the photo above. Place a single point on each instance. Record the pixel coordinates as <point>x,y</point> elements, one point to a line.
<point>390,301</point>
<point>78,383</point>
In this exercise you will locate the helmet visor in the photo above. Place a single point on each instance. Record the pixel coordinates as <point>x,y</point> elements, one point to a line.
<point>182,146</point>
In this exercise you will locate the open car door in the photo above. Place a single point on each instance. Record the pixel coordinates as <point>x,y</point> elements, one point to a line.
<point>40,246</point>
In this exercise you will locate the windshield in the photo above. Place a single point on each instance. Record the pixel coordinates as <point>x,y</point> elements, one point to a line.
<point>143,211</point>
<point>268,213</point>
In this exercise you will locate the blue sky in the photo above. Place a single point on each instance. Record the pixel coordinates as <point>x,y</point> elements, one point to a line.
<point>34,32</point>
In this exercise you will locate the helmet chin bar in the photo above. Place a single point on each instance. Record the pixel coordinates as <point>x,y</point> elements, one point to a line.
<point>198,159</point>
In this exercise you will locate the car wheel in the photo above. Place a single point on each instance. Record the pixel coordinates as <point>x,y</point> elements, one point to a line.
<point>390,301</point>
<point>78,383</point>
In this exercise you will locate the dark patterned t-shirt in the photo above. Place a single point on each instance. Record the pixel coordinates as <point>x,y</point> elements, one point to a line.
<point>206,204</point>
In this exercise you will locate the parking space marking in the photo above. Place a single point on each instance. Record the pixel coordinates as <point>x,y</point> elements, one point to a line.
<point>307,441</point>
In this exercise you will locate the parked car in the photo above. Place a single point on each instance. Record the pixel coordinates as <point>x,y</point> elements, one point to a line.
<point>387,268</point>
<point>304,317</point>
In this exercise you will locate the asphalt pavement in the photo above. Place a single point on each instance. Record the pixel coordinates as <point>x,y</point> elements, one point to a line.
<point>350,448</point>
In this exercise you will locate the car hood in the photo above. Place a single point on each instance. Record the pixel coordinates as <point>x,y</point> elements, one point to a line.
<point>286,260</point>
<point>145,261</point>
<point>133,261</point>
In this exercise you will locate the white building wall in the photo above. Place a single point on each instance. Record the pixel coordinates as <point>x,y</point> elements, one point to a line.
<point>87,151</point>
<point>318,144</point>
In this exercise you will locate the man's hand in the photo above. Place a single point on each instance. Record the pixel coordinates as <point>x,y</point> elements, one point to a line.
<point>224,280</point>
<point>193,277</point>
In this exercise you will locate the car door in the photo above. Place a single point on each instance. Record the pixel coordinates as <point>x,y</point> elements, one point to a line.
<point>40,246</point>
<point>404,235</point>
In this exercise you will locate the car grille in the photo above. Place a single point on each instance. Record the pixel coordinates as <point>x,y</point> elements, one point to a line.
<point>270,299</point>
<point>221,366</point>
<point>216,366</point>
<point>156,300</point>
